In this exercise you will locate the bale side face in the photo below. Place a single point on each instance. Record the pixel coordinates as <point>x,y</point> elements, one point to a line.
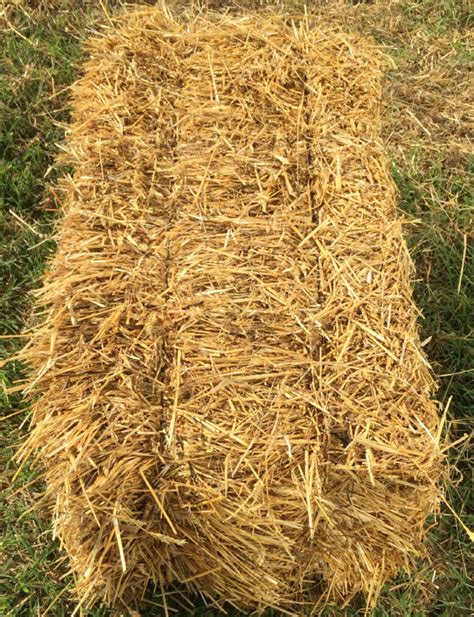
<point>232,393</point>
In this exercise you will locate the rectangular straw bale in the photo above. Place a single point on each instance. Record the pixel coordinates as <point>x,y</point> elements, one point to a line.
<point>231,392</point>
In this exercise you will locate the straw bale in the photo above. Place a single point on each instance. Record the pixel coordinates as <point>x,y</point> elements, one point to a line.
<point>229,387</point>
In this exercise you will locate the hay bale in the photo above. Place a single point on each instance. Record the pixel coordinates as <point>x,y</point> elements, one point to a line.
<point>230,389</point>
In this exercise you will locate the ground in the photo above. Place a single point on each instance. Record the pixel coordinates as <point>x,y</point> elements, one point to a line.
<point>428,44</point>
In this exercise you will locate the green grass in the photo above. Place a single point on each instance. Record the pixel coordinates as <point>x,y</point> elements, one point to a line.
<point>36,63</point>
<point>38,59</point>
<point>441,199</point>
<point>440,16</point>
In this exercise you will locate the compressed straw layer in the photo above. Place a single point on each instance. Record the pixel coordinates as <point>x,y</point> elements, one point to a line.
<point>230,389</point>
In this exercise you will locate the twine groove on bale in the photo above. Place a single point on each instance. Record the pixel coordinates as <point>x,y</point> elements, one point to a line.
<point>229,387</point>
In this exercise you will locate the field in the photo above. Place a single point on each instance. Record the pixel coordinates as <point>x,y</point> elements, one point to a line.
<point>427,92</point>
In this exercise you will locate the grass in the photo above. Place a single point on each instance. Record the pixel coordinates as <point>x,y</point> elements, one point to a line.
<point>37,61</point>
<point>40,46</point>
